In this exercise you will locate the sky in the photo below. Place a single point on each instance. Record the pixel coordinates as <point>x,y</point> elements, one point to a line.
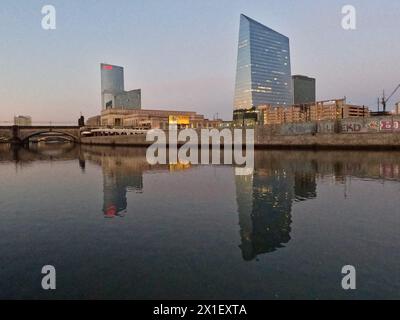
<point>182,53</point>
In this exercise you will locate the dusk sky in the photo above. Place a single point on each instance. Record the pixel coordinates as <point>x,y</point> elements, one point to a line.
<point>182,53</point>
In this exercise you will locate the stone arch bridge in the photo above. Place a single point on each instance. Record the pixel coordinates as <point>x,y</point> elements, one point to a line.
<point>20,134</point>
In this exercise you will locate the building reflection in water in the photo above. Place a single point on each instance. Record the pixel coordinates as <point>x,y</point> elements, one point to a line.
<point>265,202</point>
<point>280,178</point>
<point>305,186</point>
<point>122,173</point>
<point>264,199</point>
<point>115,186</point>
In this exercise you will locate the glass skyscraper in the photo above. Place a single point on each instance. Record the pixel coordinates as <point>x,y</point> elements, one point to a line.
<point>112,84</point>
<point>263,73</point>
<point>113,94</point>
<point>303,89</point>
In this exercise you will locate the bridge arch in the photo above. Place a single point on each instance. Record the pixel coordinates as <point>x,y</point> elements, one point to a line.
<point>5,134</point>
<point>21,134</point>
<point>26,137</point>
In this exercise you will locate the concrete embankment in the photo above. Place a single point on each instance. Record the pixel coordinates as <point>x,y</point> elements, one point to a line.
<point>371,141</point>
<point>332,141</point>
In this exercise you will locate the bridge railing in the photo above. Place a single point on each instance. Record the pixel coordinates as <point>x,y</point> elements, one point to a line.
<point>40,124</point>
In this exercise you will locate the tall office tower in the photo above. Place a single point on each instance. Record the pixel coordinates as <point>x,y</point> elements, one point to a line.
<point>263,73</point>
<point>303,89</point>
<point>112,84</point>
<point>113,94</point>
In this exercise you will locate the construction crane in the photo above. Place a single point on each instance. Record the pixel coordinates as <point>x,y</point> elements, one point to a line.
<point>384,100</point>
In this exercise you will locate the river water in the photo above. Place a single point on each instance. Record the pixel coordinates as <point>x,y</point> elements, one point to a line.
<point>115,227</point>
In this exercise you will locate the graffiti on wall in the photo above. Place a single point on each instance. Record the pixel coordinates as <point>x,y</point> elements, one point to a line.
<point>373,125</point>
<point>298,128</point>
<point>352,127</point>
<point>390,125</point>
<point>326,127</point>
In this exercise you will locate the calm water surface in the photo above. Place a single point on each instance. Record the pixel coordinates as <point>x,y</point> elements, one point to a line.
<point>116,227</point>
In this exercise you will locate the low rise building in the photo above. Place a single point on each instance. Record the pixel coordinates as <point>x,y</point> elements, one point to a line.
<point>151,119</point>
<point>277,114</point>
<point>246,117</point>
<point>353,111</point>
<point>397,108</point>
<point>23,121</point>
<point>317,111</point>
<point>226,124</point>
<point>94,121</point>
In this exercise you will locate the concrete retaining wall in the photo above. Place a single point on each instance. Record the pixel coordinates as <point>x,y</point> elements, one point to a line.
<point>139,140</point>
<point>332,141</point>
<point>350,125</point>
<point>366,140</point>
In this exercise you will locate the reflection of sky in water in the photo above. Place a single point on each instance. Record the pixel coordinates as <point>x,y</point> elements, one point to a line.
<point>283,231</point>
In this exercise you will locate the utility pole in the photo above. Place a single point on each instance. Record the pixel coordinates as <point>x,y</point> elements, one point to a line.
<point>384,101</point>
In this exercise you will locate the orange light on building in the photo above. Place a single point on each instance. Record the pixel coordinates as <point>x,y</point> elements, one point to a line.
<point>179,120</point>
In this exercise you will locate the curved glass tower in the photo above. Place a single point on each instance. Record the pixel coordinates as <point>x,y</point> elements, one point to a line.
<point>113,94</point>
<point>112,84</point>
<point>263,73</point>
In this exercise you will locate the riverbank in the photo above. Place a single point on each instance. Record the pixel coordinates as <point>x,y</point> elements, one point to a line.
<point>367,141</point>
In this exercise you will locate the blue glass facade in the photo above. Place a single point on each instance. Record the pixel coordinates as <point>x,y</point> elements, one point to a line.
<point>112,83</point>
<point>263,73</point>
<point>113,94</point>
